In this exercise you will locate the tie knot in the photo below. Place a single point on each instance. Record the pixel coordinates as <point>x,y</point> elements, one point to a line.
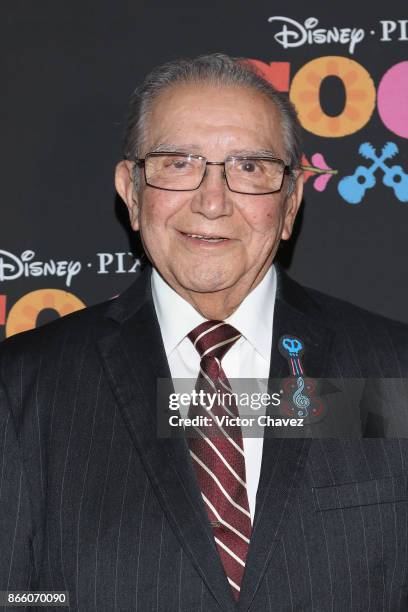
<point>213,338</point>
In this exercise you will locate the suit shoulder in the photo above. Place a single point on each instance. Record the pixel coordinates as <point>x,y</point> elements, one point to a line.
<point>332,311</point>
<point>378,343</point>
<point>73,334</point>
<point>75,326</point>
<point>333,308</point>
<point>367,329</point>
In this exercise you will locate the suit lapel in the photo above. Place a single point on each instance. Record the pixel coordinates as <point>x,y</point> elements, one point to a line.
<point>283,459</point>
<point>134,358</point>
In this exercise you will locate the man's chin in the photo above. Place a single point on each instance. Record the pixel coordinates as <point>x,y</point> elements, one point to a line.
<point>205,283</point>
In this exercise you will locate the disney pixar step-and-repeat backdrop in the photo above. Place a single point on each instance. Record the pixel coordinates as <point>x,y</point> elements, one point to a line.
<point>68,69</point>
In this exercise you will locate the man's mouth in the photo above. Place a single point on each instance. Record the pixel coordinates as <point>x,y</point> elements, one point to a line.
<point>206,237</point>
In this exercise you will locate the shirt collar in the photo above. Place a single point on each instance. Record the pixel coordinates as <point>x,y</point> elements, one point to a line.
<point>176,316</point>
<point>253,317</point>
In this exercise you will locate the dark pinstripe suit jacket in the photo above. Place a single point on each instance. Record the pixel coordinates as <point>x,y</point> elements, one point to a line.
<point>94,503</point>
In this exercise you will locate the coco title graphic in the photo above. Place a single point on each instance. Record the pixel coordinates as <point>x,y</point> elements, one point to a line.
<point>376,162</point>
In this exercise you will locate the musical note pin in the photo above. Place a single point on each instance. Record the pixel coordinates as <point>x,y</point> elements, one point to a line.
<point>304,403</point>
<point>292,348</point>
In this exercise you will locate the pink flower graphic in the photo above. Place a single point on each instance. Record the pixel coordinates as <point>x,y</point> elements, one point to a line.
<point>319,167</point>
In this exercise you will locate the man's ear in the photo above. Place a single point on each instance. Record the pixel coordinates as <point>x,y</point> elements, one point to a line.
<point>126,189</point>
<point>292,204</point>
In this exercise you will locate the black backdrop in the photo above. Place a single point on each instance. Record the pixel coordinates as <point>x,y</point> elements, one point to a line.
<point>68,70</point>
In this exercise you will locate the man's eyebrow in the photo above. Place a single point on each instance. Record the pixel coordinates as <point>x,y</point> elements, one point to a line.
<point>194,148</point>
<point>173,148</point>
<point>255,152</point>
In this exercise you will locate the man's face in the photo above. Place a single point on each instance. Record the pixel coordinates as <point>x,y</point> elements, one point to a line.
<point>213,121</point>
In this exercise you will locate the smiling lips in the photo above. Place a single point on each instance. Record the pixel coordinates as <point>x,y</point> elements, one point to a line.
<point>206,237</point>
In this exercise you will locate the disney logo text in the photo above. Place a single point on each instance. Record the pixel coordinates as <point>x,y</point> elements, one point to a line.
<point>294,34</point>
<point>12,267</point>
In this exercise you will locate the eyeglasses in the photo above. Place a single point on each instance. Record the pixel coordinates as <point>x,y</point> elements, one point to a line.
<point>251,175</point>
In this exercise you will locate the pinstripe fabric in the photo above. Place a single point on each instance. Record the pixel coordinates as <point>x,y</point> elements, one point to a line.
<point>92,502</point>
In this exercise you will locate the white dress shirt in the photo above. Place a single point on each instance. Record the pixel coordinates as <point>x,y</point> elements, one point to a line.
<point>249,357</point>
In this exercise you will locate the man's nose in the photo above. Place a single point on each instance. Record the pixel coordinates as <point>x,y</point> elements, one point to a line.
<point>212,198</point>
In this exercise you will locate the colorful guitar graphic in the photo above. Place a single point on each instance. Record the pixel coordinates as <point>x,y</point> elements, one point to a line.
<point>353,188</point>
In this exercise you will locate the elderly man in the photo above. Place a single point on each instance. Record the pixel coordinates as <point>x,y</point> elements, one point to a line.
<point>94,501</point>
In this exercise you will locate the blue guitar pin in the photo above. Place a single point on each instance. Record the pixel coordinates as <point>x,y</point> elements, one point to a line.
<point>292,349</point>
<point>304,402</point>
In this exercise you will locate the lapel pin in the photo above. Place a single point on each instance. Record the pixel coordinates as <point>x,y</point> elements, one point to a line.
<point>302,391</point>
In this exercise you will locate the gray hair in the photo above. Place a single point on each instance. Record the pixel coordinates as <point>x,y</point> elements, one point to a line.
<point>218,69</point>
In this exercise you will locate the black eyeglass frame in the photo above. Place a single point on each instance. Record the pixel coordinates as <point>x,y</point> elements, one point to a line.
<point>141,162</point>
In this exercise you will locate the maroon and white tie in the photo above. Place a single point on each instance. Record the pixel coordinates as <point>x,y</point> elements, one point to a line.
<point>217,453</point>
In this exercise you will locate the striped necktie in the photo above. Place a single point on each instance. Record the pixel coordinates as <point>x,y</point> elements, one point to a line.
<point>217,453</point>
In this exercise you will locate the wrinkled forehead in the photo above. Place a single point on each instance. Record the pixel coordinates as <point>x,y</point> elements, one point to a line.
<point>198,115</point>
